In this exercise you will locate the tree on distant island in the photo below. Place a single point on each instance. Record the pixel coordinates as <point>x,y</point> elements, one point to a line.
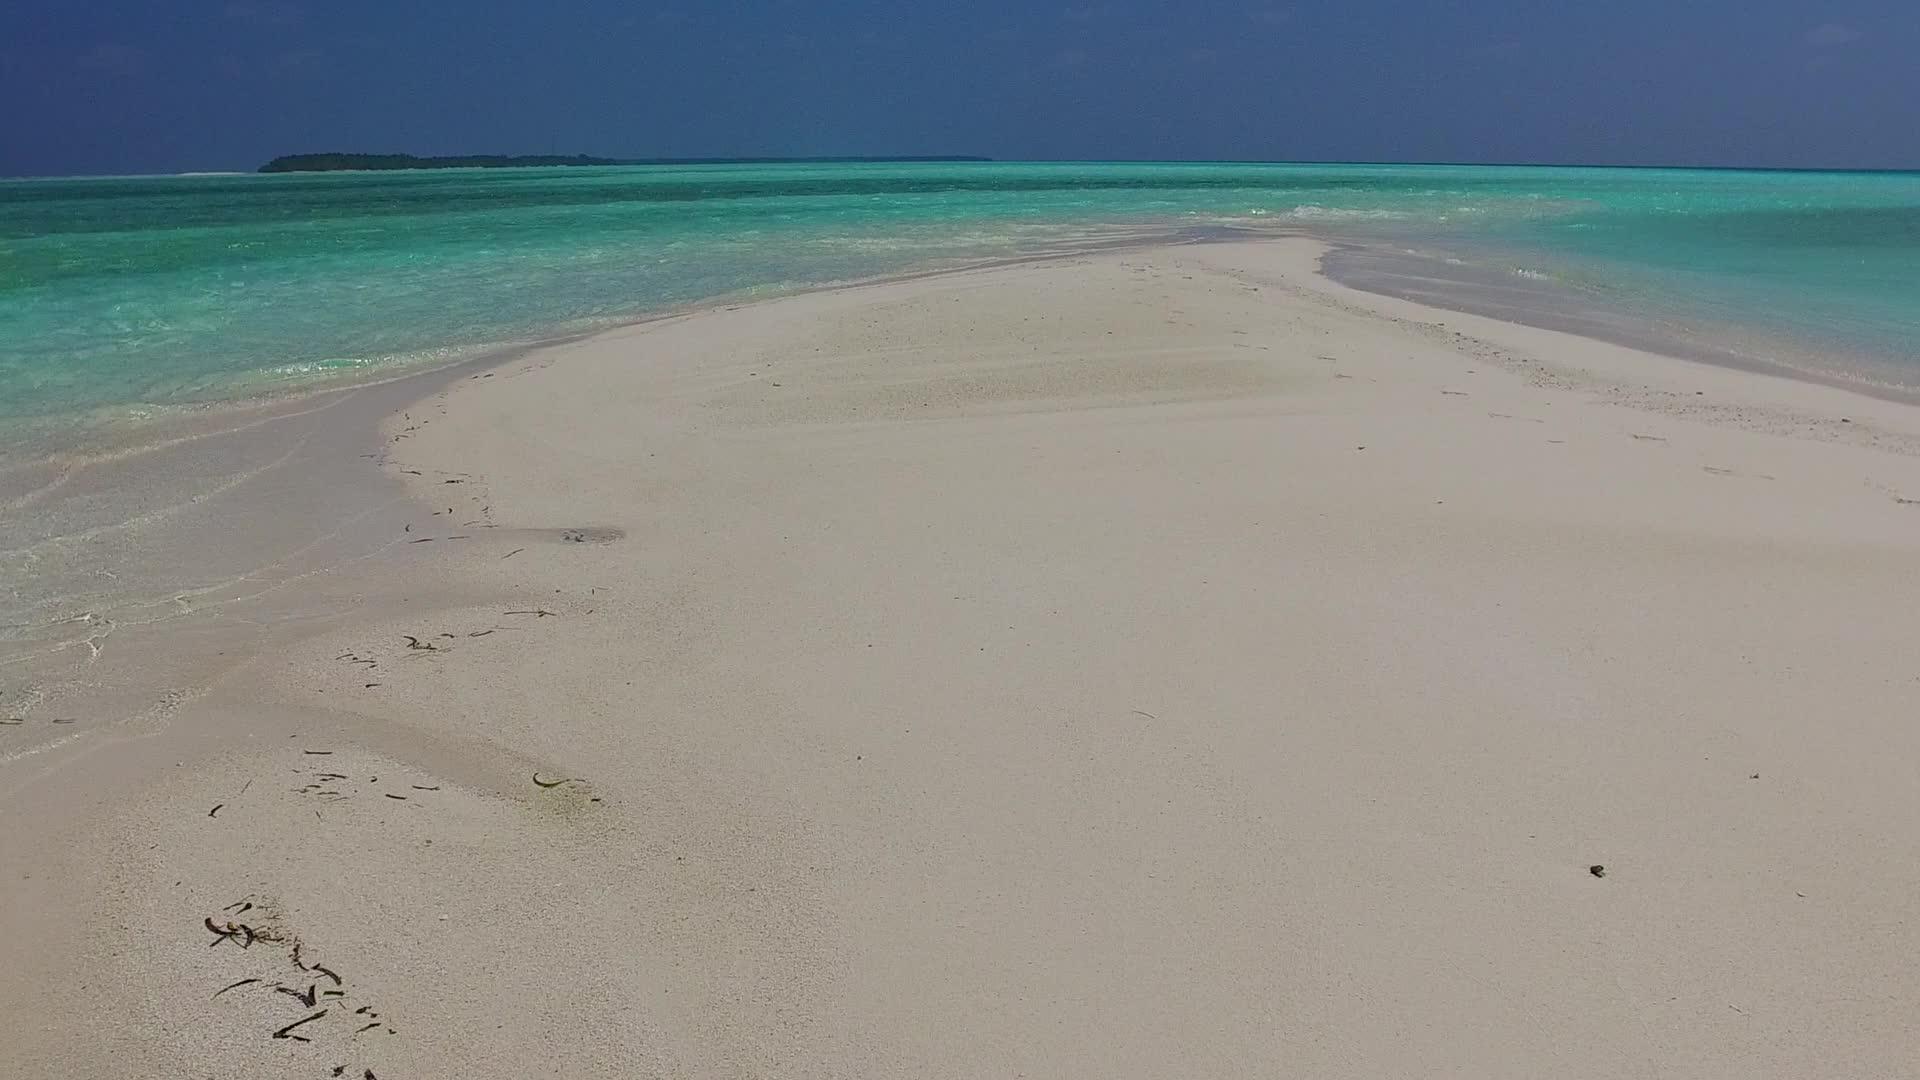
<point>377,162</point>
<point>343,162</point>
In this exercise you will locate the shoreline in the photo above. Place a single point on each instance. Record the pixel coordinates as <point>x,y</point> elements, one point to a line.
<point>185,422</point>
<point>1558,309</point>
<point>396,396</point>
<point>1548,308</point>
<point>730,583</point>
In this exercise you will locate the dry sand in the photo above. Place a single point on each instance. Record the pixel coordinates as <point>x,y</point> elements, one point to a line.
<point>1154,664</point>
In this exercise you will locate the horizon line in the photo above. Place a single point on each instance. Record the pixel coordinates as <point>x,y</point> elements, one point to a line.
<point>975,159</point>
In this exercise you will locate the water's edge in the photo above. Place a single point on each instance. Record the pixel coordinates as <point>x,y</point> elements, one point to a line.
<point>1388,270</point>
<point>229,542</point>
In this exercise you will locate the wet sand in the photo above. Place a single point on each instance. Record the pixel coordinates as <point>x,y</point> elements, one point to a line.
<point>1159,662</point>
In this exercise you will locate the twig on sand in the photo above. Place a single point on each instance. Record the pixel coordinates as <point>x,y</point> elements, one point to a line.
<point>234,986</point>
<point>538,613</point>
<point>511,554</point>
<point>287,1032</point>
<point>308,997</point>
<point>553,783</point>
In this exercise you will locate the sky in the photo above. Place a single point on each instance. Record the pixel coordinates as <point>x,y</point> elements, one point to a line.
<point>141,86</point>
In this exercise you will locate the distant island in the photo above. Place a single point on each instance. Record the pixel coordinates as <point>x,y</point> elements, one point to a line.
<point>344,162</point>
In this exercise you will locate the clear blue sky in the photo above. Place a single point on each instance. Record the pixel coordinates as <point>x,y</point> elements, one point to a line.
<point>93,86</point>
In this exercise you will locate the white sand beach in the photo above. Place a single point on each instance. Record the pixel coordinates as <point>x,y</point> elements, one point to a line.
<point>1154,663</point>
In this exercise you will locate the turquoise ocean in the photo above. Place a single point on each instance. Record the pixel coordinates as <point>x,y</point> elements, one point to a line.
<point>126,298</point>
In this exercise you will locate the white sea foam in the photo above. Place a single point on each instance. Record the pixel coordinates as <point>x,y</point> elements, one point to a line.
<point>1316,212</point>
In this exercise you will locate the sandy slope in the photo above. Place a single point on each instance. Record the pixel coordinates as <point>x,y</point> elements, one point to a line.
<point>1151,664</point>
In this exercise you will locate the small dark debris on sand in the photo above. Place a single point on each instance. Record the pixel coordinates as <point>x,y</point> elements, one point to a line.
<point>234,986</point>
<point>552,783</point>
<point>215,812</point>
<point>308,997</point>
<point>238,933</point>
<point>1597,870</point>
<point>287,1032</point>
